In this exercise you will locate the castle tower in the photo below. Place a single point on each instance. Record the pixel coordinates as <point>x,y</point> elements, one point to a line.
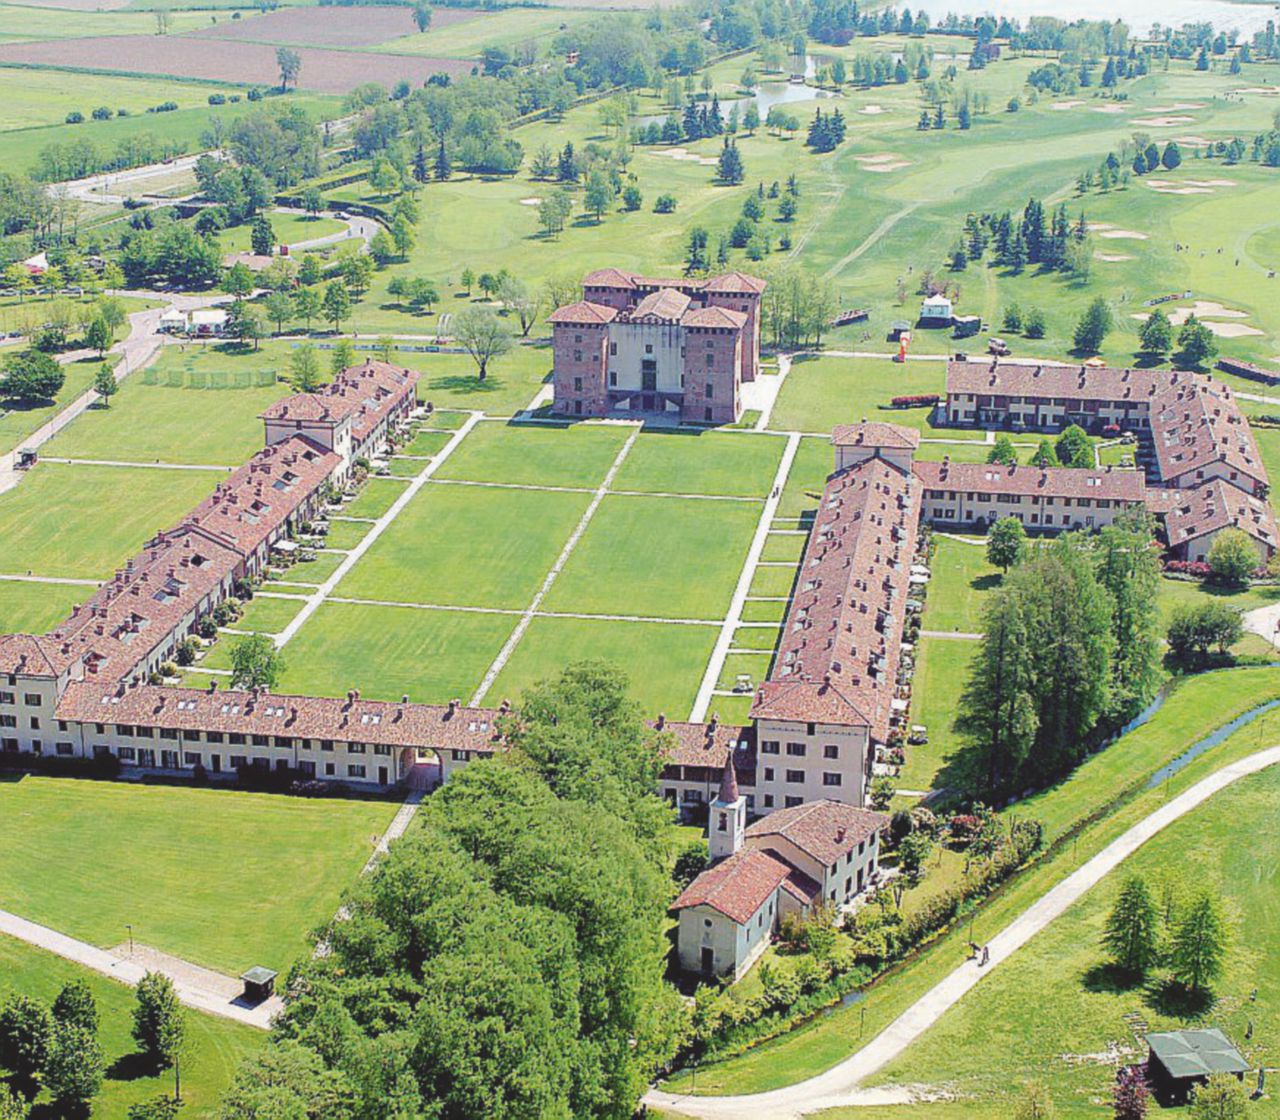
<point>727,822</point>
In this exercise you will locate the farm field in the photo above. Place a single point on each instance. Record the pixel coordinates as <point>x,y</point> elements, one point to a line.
<point>467,36</point>
<point>323,71</point>
<point>217,1046</point>
<point>328,27</point>
<point>289,860</point>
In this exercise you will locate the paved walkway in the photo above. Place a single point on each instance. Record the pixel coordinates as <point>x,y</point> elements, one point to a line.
<point>339,573</point>
<point>958,635</point>
<point>839,1086</point>
<point>196,987</point>
<point>54,579</point>
<point>509,646</point>
<point>154,465</point>
<point>734,615</point>
<point>1265,622</point>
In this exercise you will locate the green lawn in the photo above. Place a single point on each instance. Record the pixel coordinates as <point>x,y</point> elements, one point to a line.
<point>17,422</point>
<point>215,1049</point>
<point>784,544</point>
<point>942,668</point>
<point>450,381</point>
<point>961,579</point>
<point>772,581</point>
<point>150,419</point>
<point>686,462</point>
<point>263,614</point>
<point>220,877</point>
<point>664,661</point>
<point>815,459</point>
<point>346,534</point>
<point>659,557</point>
<point>467,546</point>
<point>427,442</point>
<point>83,522</point>
<point>287,228</point>
<point>755,665</point>
<point>998,1036</point>
<point>534,455</point>
<point>33,608</point>
<point>387,652</point>
<point>466,39</point>
<point>378,496</point>
<point>1194,709</point>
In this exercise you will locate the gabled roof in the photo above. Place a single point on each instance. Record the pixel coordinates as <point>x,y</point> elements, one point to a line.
<point>736,887</point>
<point>1215,505</point>
<point>27,655</point>
<point>809,702</point>
<point>584,311</point>
<point>876,433</point>
<point>1046,482</point>
<point>1196,423</point>
<point>823,829</point>
<point>609,278</point>
<point>709,744</point>
<point>666,303</point>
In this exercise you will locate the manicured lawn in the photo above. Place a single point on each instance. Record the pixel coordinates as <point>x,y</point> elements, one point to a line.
<point>784,545</point>
<point>815,459</point>
<point>942,668</point>
<point>663,661</point>
<point>820,393</point>
<point>755,665</point>
<point>756,637</point>
<point>378,496</point>
<point>1195,708</point>
<point>157,422</point>
<point>426,442</point>
<point>450,381</point>
<point>387,652</point>
<point>317,570</point>
<point>731,709</point>
<point>999,1036</point>
<point>773,581</point>
<point>467,546</point>
<point>755,610</point>
<point>215,1047</point>
<point>84,522</point>
<point>701,463</point>
<point>405,468</point>
<point>220,877</point>
<point>288,229</point>
<point>535,455</point>
<point>267,615</point>
<point>346,534</point>
<point>960,582</point>
<point>33,608</point>
<point>661,557</point>
<point>17,422</point>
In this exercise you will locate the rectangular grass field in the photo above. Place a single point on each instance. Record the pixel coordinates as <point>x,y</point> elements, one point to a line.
<point>657,557</point>
<point>33,608</point>
<point>683,462</point>
<point>536,455</point>
<point>961,581</point>
<point>431,656</point>
<point>467,546</point>
<point>220,877</point>
<point>664,661</point>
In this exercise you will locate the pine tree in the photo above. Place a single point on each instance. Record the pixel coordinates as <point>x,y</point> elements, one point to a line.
<point>443,168</point>
<point>729,167</point>
<point>1199,944</point>
<point>1132,933</point>
<point>420,173</point>
<point>691,122</point>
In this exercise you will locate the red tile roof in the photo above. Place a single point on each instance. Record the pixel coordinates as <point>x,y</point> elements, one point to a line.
<point>837,659</point>
<point>666,304</point>
<point>27,654</point>
<point>609,278</point>
<point>709,744</point>
<point>1053,482</point>
<point>875,433</point>
<point>367,393</point>
<point>1196,423</point>
<point>823,829</point>
<point>1217,505</point>
<point>583,311</point>
<point>725,318</point>
<point>738,886</point>
<point>1026,379</point>
<point>349,720</point>
<point>735,282</point>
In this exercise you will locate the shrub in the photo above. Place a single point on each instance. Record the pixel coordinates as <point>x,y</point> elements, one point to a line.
<point>665,204</point>
<point>186,651</point>
<point>254,95</point>
<point>75,117</point>
<point>1197,568</point>
<point>102,113</point>
<point>206,627</point>
<point>167,669</point>
<point>963,829</point>
<point>918,400</point>
<point>218,98</point>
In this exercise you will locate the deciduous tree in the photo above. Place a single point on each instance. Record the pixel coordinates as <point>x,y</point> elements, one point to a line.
<point>255,662</point>
<point>483,335</point>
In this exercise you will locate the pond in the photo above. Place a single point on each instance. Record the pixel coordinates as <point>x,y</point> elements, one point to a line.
<point>1138,14</point>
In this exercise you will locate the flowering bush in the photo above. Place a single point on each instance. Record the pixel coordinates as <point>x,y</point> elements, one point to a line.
<point>919,400</point>
<point>963,827</point>
<point>1198,569</point>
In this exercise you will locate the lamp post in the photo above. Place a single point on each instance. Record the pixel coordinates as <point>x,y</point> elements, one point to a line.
<point>130,929</point>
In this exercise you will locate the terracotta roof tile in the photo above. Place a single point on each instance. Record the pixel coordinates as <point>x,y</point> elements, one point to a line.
<point>824,829</point>
<point>1058,482</point>
<point>583,311</point>
<point>1217,505</point>
<point>724,317</point>
<point>875,433</point>
<point>738,886</point>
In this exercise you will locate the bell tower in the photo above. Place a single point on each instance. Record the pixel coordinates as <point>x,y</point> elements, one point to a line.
<point>727,822</point>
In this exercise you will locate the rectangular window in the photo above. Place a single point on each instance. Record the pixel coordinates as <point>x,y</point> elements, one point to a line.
<point>31,699</point>
<point>711,390</point>
<point>830,751</point>
<point>6,697</point>
<point>795,777</point>
<point>191,758</point>
<point>145,732</point>
<point>236,738</point>
<point>355,770</point>
<point>64,749</point>
<point>795,750</point>
<point>769,746</point>
<point>260,740</point>
<point>213,737</point>
<point>792,802</point>
<point>829,779</point>
<point>355,748</point>
<point>237,761</point>
<point>577,384</point>
<point>768,773</point>
<point>282,741</point>
<point>768,801</point>
<point>8,721</point>
<point>127,754</point>
<point>329,770</point>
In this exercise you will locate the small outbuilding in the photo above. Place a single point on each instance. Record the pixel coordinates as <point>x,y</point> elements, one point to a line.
<point>1181,1060</point>
<point>259,984</point>
<point>966,326</point>
<point>173,321</point>
<point>898,328</point>
<point>936,311</point>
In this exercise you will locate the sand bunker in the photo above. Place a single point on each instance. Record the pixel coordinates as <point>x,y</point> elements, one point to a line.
<point>1231,330</point>
<point>1205,308</point>
<point>872,110</point>
<point>1161,122</point>
<point>1169,188</point>
<point>1060,105</point>
<point>1112,258</point>
<point>687,156</point>
<point>1193,141</point>
<point>1110,233</point>
<point>1108,108</point>
<point>1176,107</point>
<point>1267,91</point>
<point>882,161</point>
<point>530,201</point>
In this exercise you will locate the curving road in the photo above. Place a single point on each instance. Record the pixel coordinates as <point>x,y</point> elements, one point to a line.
<point>839,1086</point>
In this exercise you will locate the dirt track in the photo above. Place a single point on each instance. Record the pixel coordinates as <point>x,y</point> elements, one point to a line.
<point>325,71</point>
